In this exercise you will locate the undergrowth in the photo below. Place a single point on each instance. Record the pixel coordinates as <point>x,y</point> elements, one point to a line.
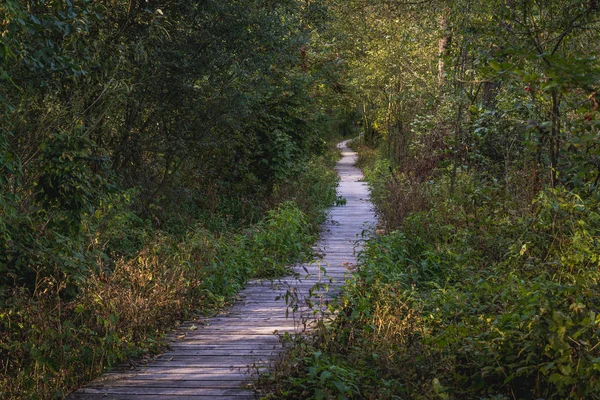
<point>476,294</point>
<point>128,284</point>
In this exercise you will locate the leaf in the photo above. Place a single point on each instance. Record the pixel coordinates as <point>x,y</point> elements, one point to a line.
<point>587,138</point>
<point>495,65</point>
<point>523,249</point>
<point>324,376</point>
<point>439,389</point>
<point>340,386</point>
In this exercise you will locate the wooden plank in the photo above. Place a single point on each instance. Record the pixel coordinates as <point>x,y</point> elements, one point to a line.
<point>152,369</point>
<point>230,338</point>
<point>244,327</point>
<point>208,362</point>
<point>206,375</point>
<point>112,396</point>
<point>195,351</point>
<point>173,391</point>
<point>240,347</point>
<point>241,321</point>
<point>176,383</point>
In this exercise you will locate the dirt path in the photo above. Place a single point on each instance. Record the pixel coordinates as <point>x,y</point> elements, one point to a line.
<point>214,358</point>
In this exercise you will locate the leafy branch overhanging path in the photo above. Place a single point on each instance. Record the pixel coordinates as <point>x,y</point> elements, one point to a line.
<point>214,358</point>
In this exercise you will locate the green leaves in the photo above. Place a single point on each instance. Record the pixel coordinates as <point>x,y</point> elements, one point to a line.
<point>125,123</point>
<point>470,298</point>
<point>486,286</point>
<point>68,182</point>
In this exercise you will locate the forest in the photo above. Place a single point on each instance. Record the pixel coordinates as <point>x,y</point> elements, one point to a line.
<point>155,155</point>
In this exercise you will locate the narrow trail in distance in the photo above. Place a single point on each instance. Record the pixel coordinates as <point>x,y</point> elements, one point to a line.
<point>214,358</point>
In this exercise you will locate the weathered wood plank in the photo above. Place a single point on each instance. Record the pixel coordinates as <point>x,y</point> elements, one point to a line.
<point>232,338</point>
<point>176,383</point>
<point>152,369</point>
<point>173,391</point>
<point>194,351</point>
<point>99,396</point>
<point>230,349</point>
<point>208,362</point>
<point>212,373</point>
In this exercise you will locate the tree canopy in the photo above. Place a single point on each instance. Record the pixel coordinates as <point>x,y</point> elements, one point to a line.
<point>144,138</point>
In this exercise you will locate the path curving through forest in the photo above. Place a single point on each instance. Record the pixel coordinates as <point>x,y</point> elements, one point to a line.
<point>215,358</point>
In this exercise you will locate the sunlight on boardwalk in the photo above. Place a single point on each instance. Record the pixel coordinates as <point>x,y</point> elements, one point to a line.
<point>215,357</point>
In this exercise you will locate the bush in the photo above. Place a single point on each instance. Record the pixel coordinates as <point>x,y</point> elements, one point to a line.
<point>471,299</point>
<point>130,288</point>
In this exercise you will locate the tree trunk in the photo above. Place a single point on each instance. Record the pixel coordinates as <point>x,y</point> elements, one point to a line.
<point>444,46</point>
<point>490,91</point>
<point>554,138</point>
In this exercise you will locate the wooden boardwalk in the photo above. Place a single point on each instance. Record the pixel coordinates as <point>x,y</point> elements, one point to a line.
<point>215,358</point>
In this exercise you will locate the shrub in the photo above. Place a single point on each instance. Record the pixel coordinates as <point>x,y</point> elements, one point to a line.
<point>50,343</point>
<point>470,299</point>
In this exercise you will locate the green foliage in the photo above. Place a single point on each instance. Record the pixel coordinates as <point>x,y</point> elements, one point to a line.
<point>203,103</point>
<point>328,379</point>
<point>472,298</point>
<point>111,293</point>
<point>314,189</point>
<point>50,346</point>
<point>282,237</point>
<point>68,185</point>
<point>151,158</point>
<point>484,117</point>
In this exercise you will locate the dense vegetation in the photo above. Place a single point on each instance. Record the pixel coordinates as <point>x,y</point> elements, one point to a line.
<point>154,155</point>
<point>482,148</point>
